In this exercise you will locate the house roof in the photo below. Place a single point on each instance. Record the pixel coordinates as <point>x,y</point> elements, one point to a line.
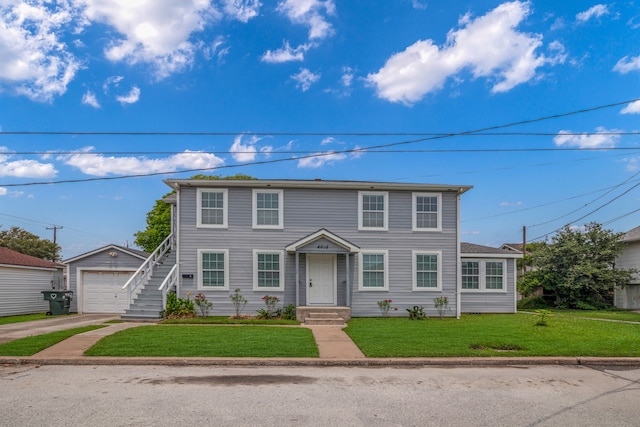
<point>512,247</point>
<point>317,183</point>
<point>11,257</point>
<point>133,252</point>
<point>632,235</point>
<point>473,250</point>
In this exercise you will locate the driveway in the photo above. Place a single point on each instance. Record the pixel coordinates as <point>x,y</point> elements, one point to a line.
<point>14,331</point>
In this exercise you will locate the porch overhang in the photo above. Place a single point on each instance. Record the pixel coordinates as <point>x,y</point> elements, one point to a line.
<point>322,241</point>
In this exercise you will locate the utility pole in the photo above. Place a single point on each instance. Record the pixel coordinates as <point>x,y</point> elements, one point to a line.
<point>524,247</point>
<point>55,229</point>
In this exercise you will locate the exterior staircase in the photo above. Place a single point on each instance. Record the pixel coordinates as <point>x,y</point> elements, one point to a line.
<point>147,304</point>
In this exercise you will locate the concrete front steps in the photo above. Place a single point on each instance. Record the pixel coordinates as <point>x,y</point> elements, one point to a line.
<point>333,316</point>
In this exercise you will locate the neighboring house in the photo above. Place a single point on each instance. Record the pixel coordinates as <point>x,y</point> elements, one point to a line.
<point>341,244</point>
<point>97,278</point>
<point>22,280</point>
<point>629,296</point>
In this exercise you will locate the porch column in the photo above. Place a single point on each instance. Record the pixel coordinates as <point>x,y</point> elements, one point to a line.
<point>297,278</point>
<point>348,258</point>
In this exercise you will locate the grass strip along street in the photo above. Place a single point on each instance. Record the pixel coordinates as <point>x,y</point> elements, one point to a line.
<point>31,345</point>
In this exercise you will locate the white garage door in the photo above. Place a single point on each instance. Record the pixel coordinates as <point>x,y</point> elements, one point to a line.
<point>102,291</point>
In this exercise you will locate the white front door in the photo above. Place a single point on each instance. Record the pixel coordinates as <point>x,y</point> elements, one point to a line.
<point>321,279</point>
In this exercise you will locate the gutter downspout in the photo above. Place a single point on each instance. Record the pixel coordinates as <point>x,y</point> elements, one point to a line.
<point>458,259</point>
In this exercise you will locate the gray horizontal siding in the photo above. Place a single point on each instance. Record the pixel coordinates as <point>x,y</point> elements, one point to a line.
<point>492,302</point>
<point>21,290</point>
<point>306,211</point>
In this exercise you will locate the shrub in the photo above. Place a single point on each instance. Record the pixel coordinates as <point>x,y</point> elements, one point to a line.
<point>289,312</point>
<point>179,307</point>
<point>532,303</point>
<point>239,301</point>
<point>417,313</point>
<point>203,305</point>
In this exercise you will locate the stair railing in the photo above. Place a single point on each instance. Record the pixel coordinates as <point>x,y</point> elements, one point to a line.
<point>168,283</point>
<point>144,273</point>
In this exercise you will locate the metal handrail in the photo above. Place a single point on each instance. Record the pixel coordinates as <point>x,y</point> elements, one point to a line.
<point>168,283</point>
<point>147,268</point>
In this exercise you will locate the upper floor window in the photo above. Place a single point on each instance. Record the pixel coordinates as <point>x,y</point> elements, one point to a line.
<point>427,212</point>
<point>373,210</point>
<point>212,208</point>
<point>483,275</point>
<point>267,209</point>
<point>427,272</point>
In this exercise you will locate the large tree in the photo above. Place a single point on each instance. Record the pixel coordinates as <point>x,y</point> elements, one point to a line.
<point>578,267</point>
<point>22,241</point>
<point>159,217</point>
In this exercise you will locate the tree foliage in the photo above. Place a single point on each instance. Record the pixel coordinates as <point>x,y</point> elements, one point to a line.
<point>578,267</point>
<point>27,243</point>
<point>159,217</point>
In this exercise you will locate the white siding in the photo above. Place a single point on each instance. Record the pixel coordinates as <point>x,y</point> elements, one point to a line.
<point>21,290</point>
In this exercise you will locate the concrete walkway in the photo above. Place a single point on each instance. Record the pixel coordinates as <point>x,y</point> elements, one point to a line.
<point>14,331</point>
<point>334,343</point>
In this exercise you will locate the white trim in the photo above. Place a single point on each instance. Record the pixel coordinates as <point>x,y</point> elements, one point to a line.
<point>323,233</point>
<point>225,207</point>
<point>105,248</point>
<point>254,208</point>
<point>414,270</point>
<point>334,260</point>
<point>482,273</point>
<point>280,254</point>
<point>385,227</point>
<point>414,212</point>
<point>200,286</point>
<point>384,252</point>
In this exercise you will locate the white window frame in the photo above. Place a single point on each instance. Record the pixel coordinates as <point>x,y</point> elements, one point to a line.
<point>361,195</point>
<point>280,194</point>
<point>483,275</point>
<point>415,212</point>
<point>225,207</point>
<point>256,286</point>
<point>477,261</point>
<point>201,286</point>
<point>361,286</point>
<point>414,264</point>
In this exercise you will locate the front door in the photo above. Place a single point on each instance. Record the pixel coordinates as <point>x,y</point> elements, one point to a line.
<point>321,279</point>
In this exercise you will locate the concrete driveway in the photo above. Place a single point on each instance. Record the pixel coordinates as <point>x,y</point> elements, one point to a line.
<point>15,331</point>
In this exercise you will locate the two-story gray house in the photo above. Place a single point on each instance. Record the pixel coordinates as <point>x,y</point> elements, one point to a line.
<point>340,244</point>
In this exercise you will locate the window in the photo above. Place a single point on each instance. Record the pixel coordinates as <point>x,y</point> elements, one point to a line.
<point>470,275</point>
<point>374,271</point>
<point>213,269</point>
<point>212,208</point>
<point>427,212</point>
<point>427,271</point>
<point>267,209</point>
<point>483,275</point>
<point>373,213</point>
<point>267,271</point>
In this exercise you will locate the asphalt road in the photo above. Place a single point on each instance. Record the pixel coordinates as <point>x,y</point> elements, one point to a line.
<point>318,396</point>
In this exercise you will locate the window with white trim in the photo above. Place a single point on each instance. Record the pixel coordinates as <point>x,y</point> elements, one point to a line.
<point>268,272</point>
<point>484,275</point>
<point>212,208</point>
<point>374,270</point>
<point>373,211</point>
<point>427,211</point>
<point>267,209</point>
<point>213,269</point>
<point>427,271</point>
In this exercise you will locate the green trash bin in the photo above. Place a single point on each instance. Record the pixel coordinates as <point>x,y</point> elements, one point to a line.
<point>59,301</point>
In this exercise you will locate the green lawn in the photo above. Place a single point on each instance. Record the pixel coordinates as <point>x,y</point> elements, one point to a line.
<point>23,318</point>
<point>599,314</point>
<point>31,345</point>
<point>226,320</point>
<point>207,341</point>
<point>493,335</point>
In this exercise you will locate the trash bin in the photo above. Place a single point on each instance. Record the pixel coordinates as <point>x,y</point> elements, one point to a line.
<point>59,301</point>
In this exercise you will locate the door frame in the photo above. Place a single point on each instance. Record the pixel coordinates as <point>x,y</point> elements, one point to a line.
<point>334,278</point>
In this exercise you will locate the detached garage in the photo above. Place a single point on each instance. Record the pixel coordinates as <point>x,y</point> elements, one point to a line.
<point>22,280</point>
<point>97,278</point>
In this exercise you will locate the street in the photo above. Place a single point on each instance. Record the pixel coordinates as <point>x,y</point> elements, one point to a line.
<point>318,396</point>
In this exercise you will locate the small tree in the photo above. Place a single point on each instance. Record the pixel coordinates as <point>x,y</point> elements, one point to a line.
<point>239,301</point>
<point>22,241</point>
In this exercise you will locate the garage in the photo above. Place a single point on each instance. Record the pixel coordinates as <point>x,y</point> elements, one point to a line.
<point>97,278</point>
<point>102,291</point>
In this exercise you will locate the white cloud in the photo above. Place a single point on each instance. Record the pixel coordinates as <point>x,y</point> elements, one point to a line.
<point>317,160</point>
<point>602,138</point>
<point>416,4</point>
<point>627,64</point>
<point>33,59</point>
<point>633,163</point>
<point>632,108</point>
<point>99,165</point>
<point>286,53</point>
<point>511,204</point>
<point>89,98</point>
<point>216,49</point>
<point>490,46</point>
<point>310,13</point>
<point>247,151</point>
<point>328,140</point>
<point>347,76</point>
<point>3,191</point>
<point>305,78</point>
<point>596,11</point>
<point>25,168</point>
<point>111,81</point>
<point>241,10</point>
<point>131,98</point>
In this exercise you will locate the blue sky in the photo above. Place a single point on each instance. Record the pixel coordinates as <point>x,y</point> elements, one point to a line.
<point>92,90</point>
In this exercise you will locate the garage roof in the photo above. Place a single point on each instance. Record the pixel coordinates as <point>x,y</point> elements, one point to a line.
<point>11,257</point>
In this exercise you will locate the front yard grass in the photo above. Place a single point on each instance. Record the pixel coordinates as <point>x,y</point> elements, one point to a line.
<point>626,315</point>
<point>207,341</point>
<point>226,320</point>
<point>31,345</point>
<point>494,335</point>
<point>23,318</point>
